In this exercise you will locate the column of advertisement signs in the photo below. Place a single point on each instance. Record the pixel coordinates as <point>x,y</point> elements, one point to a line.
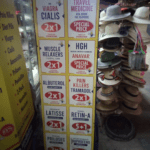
<point>67,52</point>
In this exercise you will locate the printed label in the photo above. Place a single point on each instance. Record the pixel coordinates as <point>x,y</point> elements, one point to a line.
<point>81,120</point>
<point>50,18</point>
<point>55,118</point>
<point>52,56</point>
<point>56,141</point>
<point>81,90</point>
<point>81,57</point>
<point>80,142</point>
<point>54,89</point>
<point>82,18</point>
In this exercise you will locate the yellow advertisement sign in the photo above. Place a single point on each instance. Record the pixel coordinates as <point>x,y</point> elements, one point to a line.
<point>16,106</point>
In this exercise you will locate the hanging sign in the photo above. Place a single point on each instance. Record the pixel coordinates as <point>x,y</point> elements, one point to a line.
<point>56,141</point>
<point>55,118</point>
<point>81,90</point>
<point>80,142</point>
<point>54,89</point>
<point>50,18</point>
<point>81,57</point>
<point>81,120</point>
<point>52,56</point>
<point>82,18</point>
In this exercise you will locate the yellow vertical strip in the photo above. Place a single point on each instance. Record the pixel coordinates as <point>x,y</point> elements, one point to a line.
<point>67,72</point>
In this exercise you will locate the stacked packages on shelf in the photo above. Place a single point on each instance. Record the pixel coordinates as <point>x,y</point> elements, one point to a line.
<point>123,37</point>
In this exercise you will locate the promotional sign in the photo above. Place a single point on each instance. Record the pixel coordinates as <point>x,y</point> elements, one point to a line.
<point>7,124</point>
<point>81,120</point>
<point>82,18</point>
<point>16,103</point>
<point>80,142</point>
<point>81,57</point>
<point>55,118</point>
<point>50,18</point>
<point>81,90</point>
<point>52,56</point>
<point>56,141</point>
<point>54,89</point>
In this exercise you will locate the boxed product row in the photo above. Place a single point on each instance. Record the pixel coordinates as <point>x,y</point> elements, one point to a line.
<point>80,119</point>
<point>80,90</point>
<point>81,18</point>
<point>59,142</point>
<point>53,56</point>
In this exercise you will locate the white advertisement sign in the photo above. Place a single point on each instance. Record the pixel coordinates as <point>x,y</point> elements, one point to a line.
<point>81,90</point>
<point>82,18</point>
<point>81,57</point>
<point>80,142</point>
<point>55,118</point>
<point>54,89</point>
<point>50,18</point>
<point>81,120</point>
<point>52,55</point>
<point>56,141</point>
